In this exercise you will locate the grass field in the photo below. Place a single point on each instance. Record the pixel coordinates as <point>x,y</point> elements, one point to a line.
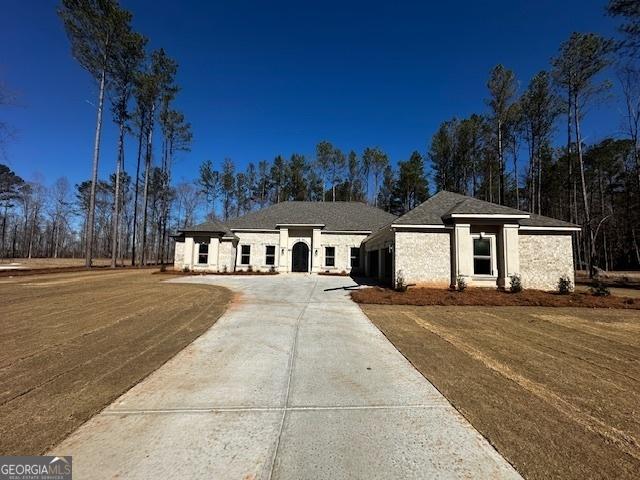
<point>42,263</point>
<point>555,390</point>
<point>73,342</point>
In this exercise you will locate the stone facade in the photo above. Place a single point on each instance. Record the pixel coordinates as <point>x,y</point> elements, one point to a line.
<point>424,257</point>
<point>544,258</point>
<point>258,241</point>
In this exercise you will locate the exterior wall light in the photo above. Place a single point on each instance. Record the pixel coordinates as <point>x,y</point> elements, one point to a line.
<point>315,252</point>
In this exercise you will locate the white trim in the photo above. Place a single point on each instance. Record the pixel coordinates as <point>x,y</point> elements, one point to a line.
<point>488,215</point>
<point>493,255</point>
<point>299,225</point>
<point>254,230</point>
<point>354,232</point>
<point>553,229</point>
<point>395,226</point>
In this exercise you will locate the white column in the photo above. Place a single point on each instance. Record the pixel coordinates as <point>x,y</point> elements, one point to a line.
<point>463,251</point>
<point>283,254</point>
<point>316,250</point>
<point>213,253</point>
<point>510,252</point>
<point>188,252</point>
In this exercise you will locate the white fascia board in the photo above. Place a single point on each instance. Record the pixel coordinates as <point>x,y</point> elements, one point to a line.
<point>489,215</point>
<point>552,229</point>
<point>354,232</point>
<point>270,230</point>
<point>300,225</point>
<point>397,226</point>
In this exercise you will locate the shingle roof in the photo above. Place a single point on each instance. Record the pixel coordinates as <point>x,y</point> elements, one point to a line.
<point>340,216</point>
<point>443,204</point>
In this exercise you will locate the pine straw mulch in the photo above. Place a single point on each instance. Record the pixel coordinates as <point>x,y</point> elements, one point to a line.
<point>190,273</point>
<point>422,296</point>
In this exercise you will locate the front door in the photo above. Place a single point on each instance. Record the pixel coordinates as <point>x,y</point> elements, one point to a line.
<point>300,257</point>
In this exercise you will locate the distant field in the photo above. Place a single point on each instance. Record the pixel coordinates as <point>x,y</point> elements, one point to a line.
<point>555,390</point>
<point>40,263</point>
<point>71,343</point>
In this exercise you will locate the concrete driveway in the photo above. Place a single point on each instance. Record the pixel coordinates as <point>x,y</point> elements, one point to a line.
<point>293,382</point>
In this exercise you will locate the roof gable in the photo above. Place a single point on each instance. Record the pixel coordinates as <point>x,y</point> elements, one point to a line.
<point>444,205</point>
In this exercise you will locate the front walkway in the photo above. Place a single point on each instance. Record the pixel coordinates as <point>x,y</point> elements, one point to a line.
<point>293,382</point>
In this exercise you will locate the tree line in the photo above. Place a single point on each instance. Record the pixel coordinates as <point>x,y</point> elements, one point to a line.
<point>596,186</point>
<point>505,154</point>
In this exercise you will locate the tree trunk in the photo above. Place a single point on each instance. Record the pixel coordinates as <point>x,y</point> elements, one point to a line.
<point>500,165</point>
<point>590,247</point>
<point>116,203</point>
<point>94,175</point>
<point>135,194</point>
<point>145,201</point>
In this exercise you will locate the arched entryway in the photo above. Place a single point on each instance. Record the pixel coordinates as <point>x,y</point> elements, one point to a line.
<point>300,257</point>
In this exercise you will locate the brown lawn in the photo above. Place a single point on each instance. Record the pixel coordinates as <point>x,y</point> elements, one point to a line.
<point>40,263</point>
<point>73,342</point>
<point>555,390</point>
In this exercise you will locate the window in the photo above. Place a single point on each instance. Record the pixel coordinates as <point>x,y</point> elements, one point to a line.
<point>330,256</point>
<point>203,253</point>
<point>482,260</point>
<point>270,255</point>
<point>355,257</point>
<point>245,254</point>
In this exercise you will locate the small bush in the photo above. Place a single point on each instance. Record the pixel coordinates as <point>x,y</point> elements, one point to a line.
<point>515,283</point>
<point>401,284</point>
<point>598,288</point>
<point>343,273</point>
<point>250,268</point>
<point>565,285</point>
<point>461,283</point>
<point>272,269</point>
<point>185,269</point>
<point>224,269</point>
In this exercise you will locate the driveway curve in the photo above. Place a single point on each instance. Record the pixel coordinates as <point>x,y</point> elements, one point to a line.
<point>292,382</point>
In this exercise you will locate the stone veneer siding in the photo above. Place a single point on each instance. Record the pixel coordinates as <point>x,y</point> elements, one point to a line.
<point>342,242</point>
<point>258,242</point>
<point>544,258</point>
<point>424,257</point>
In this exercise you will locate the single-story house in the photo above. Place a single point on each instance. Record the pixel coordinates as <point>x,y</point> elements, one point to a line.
<point>448,236</point>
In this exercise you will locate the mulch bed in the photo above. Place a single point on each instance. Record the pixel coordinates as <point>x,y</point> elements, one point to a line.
<point>334,274</point>
<point>180,272</point>
<point>489,297</point>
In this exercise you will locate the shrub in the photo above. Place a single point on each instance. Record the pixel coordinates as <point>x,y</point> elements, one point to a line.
<point>565,285</point>
<point>163,267</point>
<point>598,288</point>
<point>401,284</point>
<point>272,269</point>
<point>461,283</point>
<point>343,273</point>
<point>224,269</point>
<point>185,269</point>
<point>515,281</point>
<point>250,268</point>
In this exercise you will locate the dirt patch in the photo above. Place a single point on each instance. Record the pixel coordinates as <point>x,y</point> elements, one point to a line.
<point>489,297</point>
<point>190,273</point>
<point>72,343</point>
<point>555,390</point>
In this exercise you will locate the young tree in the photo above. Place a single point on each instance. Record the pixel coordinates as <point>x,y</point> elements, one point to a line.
<point>227,185</point>
<point>295,178</point>
<point>95,30</point>
<point>336,166</point>
<point>377,161</point>
<point>502,91</point>
<point>354,180</point>
<point>324,157</point>
<point>412,187</point>
<point>582,57</point>
<point>10,191</point>
<point>209,182</point>
<point>263,183</point>
<point>278,178</point>
<point>540,108</point>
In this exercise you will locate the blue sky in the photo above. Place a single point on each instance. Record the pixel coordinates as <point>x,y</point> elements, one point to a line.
<point>262,78</point>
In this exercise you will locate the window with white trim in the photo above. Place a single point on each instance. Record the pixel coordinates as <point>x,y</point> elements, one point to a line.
<point>245,254</point>
<point>203,253</point>
<point>329,256</point>
<point>483,255</point>
<point>270,255</point>
<point>355,257</point>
